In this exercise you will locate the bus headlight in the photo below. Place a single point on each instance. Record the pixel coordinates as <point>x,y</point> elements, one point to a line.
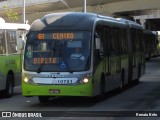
<point>27,80</point>
<point>84,80</point>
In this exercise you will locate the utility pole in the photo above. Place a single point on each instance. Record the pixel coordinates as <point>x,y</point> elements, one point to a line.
<point>24,12</point>
<point>84,6</point>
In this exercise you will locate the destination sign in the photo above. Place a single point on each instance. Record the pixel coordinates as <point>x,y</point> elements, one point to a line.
<point>44,60</point>
<point>60,36</point>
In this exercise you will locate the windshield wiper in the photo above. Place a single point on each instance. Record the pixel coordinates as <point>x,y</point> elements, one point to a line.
<point>39,68</point>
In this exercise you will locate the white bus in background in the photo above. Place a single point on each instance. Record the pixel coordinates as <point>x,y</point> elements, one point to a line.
<point>11,35</point>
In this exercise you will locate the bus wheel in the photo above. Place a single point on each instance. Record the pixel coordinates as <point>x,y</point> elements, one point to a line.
<point>43,99</point>
<point>8,92</point>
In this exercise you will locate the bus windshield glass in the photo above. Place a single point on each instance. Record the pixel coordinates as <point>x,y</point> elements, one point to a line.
<point>58,51</point>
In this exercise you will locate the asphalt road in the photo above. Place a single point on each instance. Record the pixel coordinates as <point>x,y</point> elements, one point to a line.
<point>139,100</point>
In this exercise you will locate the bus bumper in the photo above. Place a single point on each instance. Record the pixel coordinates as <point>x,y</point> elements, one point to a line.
<point>57,90</point>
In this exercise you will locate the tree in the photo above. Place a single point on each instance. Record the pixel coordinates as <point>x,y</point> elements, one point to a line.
<point>12,16</point>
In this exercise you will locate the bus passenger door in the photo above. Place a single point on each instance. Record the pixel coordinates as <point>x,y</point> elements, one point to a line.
<point>117,42</point>
<point>134,57</point>
<point>114,59</point>
<point>108,58</point>
<point>111,59</point>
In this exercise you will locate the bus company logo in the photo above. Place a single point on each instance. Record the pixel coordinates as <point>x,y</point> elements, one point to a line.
<point>6,114</point>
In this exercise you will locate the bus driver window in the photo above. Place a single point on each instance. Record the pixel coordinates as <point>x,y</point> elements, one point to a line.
<point>77,54</point>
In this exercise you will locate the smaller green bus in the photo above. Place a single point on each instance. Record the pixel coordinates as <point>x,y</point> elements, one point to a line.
<point>11,35</point>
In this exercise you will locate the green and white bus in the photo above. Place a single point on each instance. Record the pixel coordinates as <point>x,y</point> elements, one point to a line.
<point>11,35</point>
<point>110,55</point>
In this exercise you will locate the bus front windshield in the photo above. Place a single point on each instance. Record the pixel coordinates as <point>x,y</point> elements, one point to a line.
<point>57,51</point>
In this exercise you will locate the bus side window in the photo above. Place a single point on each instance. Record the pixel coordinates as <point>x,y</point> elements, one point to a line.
<point>124,41</point>
<point>2,43</point>
<point>112,43</point>
<point>134,40</point>
<point>117,42</point>
<point>99,45</point>
<point>11,42</point>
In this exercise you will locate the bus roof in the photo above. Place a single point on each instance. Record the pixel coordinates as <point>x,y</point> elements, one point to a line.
<point>132,24</point>
<point>14,26</point>
<point>72,20</point>
<point>75,20</point>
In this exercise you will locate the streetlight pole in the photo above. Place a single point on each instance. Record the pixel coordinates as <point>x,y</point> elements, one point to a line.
<point>84,6</point>
<point>24,12</point>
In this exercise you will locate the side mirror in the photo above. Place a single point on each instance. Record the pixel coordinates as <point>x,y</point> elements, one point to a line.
<point>21,43</point>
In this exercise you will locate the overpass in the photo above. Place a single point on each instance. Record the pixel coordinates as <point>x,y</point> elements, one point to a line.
<point>37,8</point>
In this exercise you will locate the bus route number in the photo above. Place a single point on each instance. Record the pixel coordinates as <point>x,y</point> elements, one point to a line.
<point>62,81</point>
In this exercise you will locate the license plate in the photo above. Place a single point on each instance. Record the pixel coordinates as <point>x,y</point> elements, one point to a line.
<point>54,91</point>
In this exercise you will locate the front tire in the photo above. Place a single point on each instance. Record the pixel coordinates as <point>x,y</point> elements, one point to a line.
<point>8,92</point>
